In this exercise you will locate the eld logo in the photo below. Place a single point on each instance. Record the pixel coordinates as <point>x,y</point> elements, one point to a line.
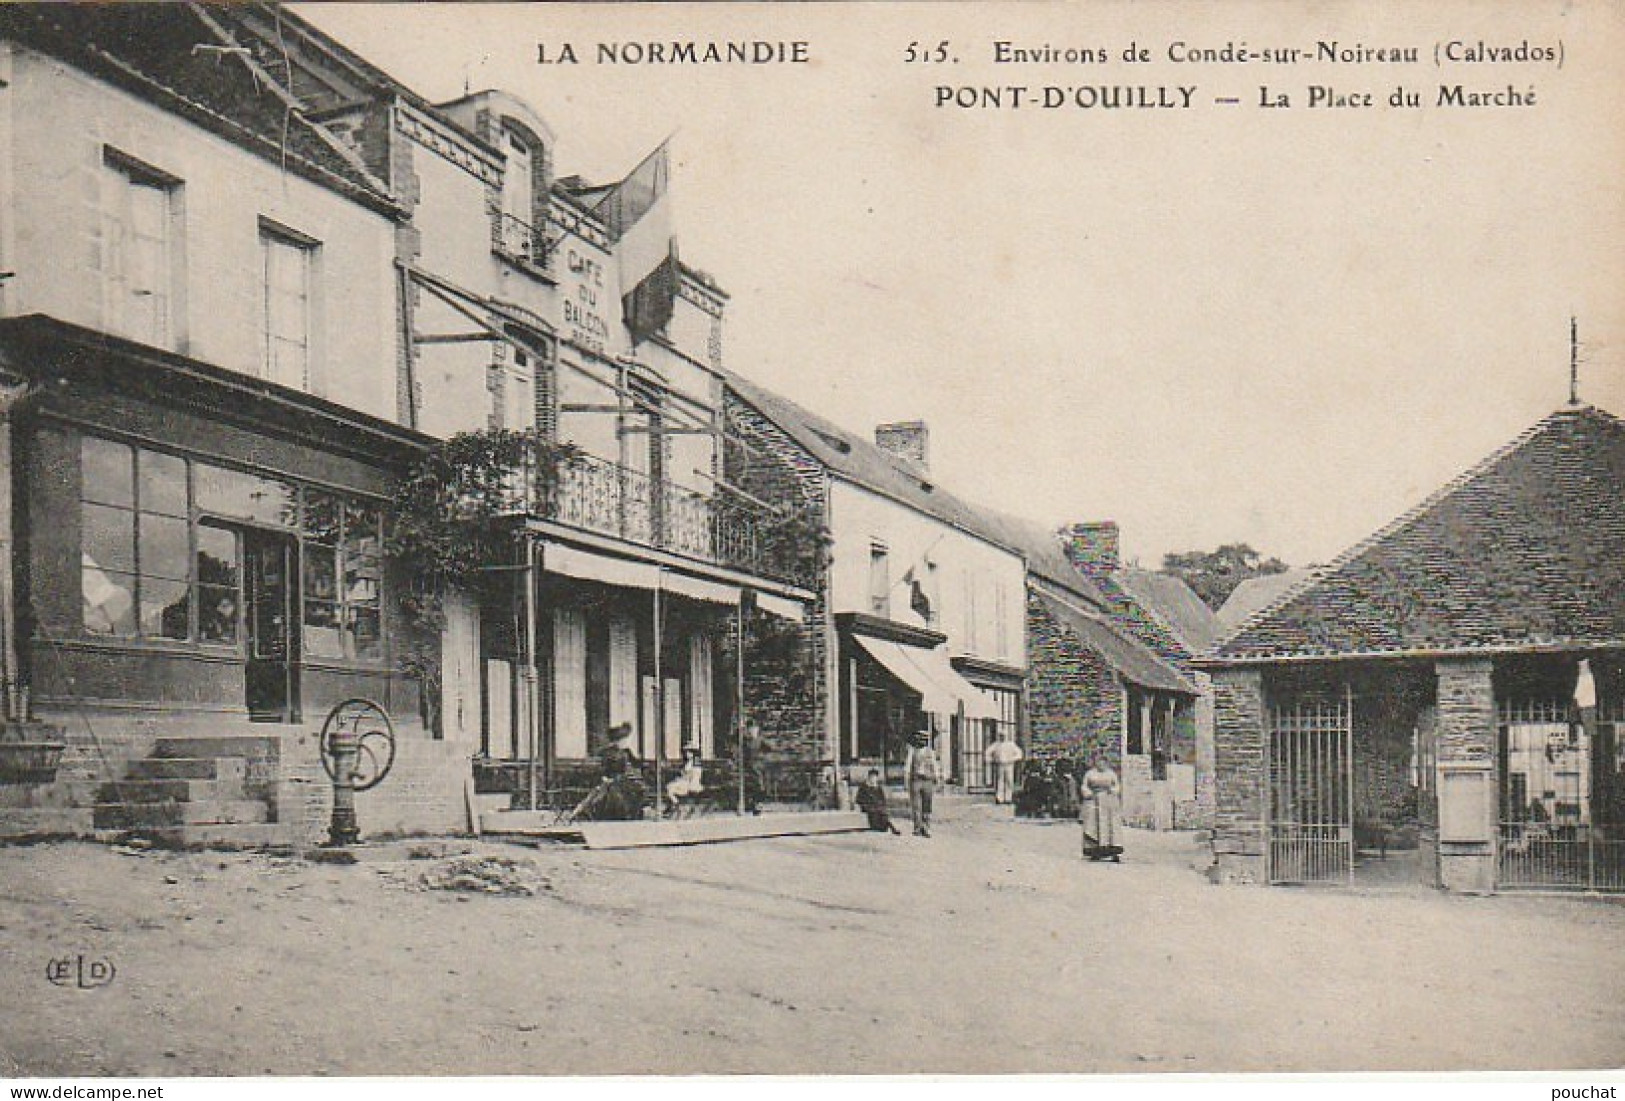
<point>80,972</point>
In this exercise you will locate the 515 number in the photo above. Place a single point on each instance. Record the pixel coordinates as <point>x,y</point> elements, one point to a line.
<point>929,54</point>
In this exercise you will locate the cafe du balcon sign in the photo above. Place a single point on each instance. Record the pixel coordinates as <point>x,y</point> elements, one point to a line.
<point>591,298</point>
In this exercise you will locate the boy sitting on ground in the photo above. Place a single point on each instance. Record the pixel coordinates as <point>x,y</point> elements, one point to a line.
<point>872,802</point>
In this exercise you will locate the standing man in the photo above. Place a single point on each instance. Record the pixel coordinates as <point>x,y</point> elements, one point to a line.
<point>923,775</point>
<point>1004,754</point>
<point>755,778</point>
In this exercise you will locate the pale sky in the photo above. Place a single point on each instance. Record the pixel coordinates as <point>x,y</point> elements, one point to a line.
<point>1277,326</point>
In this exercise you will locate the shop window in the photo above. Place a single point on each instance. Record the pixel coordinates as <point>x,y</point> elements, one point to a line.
<point>159,559</point>
<point>135,542</point>
<point>343,578</point>
<point>231,494</point>
<point>218,554</point>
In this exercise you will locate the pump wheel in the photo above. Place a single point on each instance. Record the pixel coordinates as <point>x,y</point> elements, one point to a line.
<point>368,723</point>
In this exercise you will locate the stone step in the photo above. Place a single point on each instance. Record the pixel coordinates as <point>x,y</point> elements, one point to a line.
<point>31,731</point>
<point>137,816</point>
<point>184,768</point>
<point>215,835</point>
<point>64,793</point>
<point>132,792</point>
<point>228,745</point>
<point>26,822</point>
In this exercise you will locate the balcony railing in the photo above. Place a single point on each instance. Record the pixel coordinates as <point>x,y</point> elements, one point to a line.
<point>519,240</point>
<point>600,496</point>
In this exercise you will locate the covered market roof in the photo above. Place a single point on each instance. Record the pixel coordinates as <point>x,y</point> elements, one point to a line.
<point>1524,551</point>
<point>1254,595</point>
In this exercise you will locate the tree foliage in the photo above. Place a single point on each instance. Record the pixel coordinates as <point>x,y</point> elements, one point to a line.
<point>794,545</point>
<point>454,514</point>
<point>1214,575</point>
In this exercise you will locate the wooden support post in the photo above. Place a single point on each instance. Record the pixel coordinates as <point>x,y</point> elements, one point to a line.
<point>533,710</point>
<point>739,693</point>
<point>659,708</point>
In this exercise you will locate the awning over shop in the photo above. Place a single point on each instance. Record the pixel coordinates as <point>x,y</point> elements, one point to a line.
<point>781,607</point>
<point>929,673</point>
<point>698,588</point>
<point>1132,661</point>
<point>586,566</point>
<point>612,570</point>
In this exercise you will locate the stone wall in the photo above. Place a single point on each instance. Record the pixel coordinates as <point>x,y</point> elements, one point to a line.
<point>1074,699</point>
<point>796,716</point>
<point>423,793</point>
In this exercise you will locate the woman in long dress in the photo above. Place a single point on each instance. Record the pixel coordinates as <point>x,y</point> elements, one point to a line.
<point>1098,808</point>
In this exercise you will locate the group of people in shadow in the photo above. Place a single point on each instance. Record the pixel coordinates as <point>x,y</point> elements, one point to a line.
<point>1065,788</point>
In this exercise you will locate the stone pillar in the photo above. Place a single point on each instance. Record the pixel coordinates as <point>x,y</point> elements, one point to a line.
<point>1467,775</point>
<point>1205,763</point>
<point>1240,782</point>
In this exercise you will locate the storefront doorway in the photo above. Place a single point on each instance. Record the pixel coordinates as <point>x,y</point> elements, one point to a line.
<point>271,676</point>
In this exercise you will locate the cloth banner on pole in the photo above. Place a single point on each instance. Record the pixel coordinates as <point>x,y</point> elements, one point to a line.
<point>639,214</point>
<point>649,305</point>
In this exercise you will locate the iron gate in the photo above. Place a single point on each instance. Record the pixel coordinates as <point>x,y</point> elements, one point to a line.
<point>1311,810</point>
<point>1561,826</point>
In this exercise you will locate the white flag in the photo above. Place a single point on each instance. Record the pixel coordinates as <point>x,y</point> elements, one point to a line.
<point>638,212</point>
<point>1585,688</point>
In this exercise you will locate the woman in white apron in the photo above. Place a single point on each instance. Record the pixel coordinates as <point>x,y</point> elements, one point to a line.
<point>1099,804</point>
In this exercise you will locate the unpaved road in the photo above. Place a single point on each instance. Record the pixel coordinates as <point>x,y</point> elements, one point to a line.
<point>989,947</point>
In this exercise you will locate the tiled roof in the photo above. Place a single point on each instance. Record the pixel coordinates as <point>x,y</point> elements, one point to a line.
<point>1254,595</point>
<point>859,461</point>
<point>1525,550</point>
<point>1130,616</point>
<point>1132,660</point>
<point>1048,562</point>
<point>1175,603</point>
<point>1136,633</point>
<point>169,55</point>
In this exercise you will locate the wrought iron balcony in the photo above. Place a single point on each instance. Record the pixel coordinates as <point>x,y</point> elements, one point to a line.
<point>601,496</point>
<point>519,240</point>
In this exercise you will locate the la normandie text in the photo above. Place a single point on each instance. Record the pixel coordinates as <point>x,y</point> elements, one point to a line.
<point>755,51</point>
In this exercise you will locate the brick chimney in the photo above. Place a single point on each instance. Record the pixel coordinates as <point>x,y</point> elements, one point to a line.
<point>1093,547</point>
<point>909,440</point>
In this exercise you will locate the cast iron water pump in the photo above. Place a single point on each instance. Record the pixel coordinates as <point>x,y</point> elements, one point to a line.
<point>358,750</point>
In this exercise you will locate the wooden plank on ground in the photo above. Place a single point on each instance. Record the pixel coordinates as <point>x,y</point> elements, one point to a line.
<point>709,828</point>
<point>702,830</point>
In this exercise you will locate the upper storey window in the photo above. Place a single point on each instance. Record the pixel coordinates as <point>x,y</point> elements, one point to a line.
<point>288,261</point>
<point>521,229</point>
<point>142,251</point>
